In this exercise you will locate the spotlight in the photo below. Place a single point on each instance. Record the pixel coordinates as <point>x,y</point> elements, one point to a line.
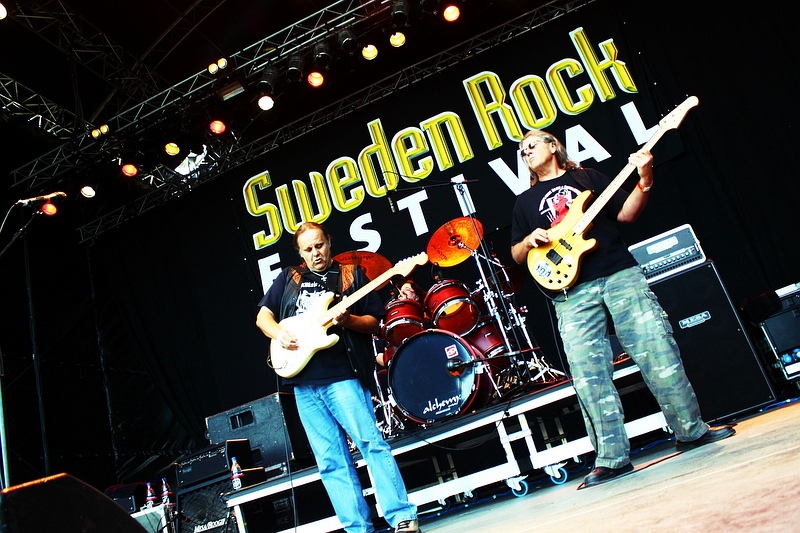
<point>269,80</point>
<point>294,68</point>
<point>451,13</point>
<point>130,170</point>
<point>98,132</point>
<point>87,191</point>
<point>397,39</point>
<point>369,52</point>
<point>316,79</point>
<point>217,127</point>
<point>221,64</point>
<point>49,209</point>
<point>429,6</point>
<point>322,55</point>
<point>230,90</point>
<point>347,41</point>
<point>172,149</point>
<point>266,86</point>
<point>266,102</point>
<point>3,12</point>
<point>399,13</point>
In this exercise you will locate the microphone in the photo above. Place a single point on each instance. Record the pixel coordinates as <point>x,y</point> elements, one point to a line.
<point>26,201</point>
<point>392,204</point>
<point>455,366</point>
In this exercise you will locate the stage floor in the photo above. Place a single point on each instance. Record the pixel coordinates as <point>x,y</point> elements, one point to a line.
<point>749,482</point>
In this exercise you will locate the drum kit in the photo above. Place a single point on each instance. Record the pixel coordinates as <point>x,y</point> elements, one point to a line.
<point>455,349</point>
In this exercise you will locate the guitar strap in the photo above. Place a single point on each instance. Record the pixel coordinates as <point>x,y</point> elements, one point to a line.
<point>582,178</point>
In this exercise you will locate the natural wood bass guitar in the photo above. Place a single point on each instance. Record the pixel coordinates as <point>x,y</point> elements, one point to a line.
<point>311,327</point>
<point>555,265</point>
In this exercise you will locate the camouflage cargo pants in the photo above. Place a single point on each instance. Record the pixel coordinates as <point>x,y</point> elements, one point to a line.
<point>644,331</point>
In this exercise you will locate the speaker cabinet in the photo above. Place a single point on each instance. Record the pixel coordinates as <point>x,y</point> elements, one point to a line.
<point>273,427</point>
<point>719,358</point>
<point>62,503</point>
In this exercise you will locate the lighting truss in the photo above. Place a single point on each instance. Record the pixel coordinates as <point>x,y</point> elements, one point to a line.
<point>241,154</point>
<point>247,63</point>
<point>20,101</point>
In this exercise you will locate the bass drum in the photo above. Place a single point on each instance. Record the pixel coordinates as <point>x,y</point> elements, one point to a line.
<point>425,389</point>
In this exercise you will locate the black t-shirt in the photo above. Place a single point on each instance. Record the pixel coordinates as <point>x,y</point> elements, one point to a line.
<point>546,203</point>
<point>331,364</point>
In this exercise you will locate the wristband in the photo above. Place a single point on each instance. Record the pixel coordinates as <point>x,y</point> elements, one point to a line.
<point>641,188</point>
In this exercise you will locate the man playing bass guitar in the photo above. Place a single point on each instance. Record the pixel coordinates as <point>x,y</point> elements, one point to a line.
<point>609,283</point>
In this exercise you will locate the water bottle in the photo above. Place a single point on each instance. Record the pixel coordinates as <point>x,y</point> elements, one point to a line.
<point>236,474</point>
<point>165,492</point>
<point>150,496</point>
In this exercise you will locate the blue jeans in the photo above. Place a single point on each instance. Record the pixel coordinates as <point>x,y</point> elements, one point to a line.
<point>643,329</point>
<point>329,414</point>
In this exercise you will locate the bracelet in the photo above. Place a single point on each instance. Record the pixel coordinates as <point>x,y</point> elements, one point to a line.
<point>641,188</point>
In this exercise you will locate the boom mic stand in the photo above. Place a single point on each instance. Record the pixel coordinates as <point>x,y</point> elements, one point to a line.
<point>36,364</point>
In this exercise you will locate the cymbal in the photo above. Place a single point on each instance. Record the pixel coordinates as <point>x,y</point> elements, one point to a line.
<point>373,264</point>
<point>443,248</point>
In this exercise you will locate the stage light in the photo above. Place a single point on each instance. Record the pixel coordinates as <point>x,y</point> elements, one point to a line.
<point>49,209</point>
<point>130,170</point>
<point>322,55</point>
<point>172,149</point>
<point>87,191</point>
<point>99,132</point>
<point>269,80</point>
<point>399,13</point>
<point>266,102</point>
<point>451,13</point>
<point>3,12</point>
<point>429,6</point>
<point>217,127</point>
<point>397,39</point>
<point>369,52</point>
<point>221,64</point>
<point>316,79</point>
<point>230,90</point>
<point>347,41</point>
<point>294,68</point>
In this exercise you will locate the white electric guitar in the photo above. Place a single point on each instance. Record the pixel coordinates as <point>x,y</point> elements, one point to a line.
<point>311,328</point>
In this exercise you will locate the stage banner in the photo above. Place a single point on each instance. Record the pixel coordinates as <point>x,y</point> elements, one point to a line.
<point>385,178</point>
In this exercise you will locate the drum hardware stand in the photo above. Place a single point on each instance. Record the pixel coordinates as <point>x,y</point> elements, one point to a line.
<point>513,321</point>
<point>391,424</point>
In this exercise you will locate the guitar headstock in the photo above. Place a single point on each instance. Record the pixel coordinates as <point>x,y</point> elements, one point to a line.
<point>405,266</point>
<point>674,119</point>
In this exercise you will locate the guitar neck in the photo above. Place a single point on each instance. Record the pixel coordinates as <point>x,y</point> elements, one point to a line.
<point>351,299</point>
<point>612,188</point>
<point>402,268</point>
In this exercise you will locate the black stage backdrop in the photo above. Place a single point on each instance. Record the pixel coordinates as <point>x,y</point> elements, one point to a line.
<point>151,329</point>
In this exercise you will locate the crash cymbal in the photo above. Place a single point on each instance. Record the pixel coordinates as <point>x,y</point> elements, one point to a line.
<point>373,264</point>
<point>443,248</point>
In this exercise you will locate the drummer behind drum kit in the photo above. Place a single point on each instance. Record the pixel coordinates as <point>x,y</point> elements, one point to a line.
<point>456,350</point>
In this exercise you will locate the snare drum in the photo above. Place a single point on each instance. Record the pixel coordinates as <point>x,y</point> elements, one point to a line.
<point>404,318</point>
<point>423,386</point>
<point>451,308</point>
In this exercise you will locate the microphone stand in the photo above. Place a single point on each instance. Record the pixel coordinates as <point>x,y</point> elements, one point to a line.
<point>36,364</point>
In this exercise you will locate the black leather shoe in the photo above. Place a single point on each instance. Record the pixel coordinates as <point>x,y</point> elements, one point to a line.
<point>712,435</point>
<point>601,474</point>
